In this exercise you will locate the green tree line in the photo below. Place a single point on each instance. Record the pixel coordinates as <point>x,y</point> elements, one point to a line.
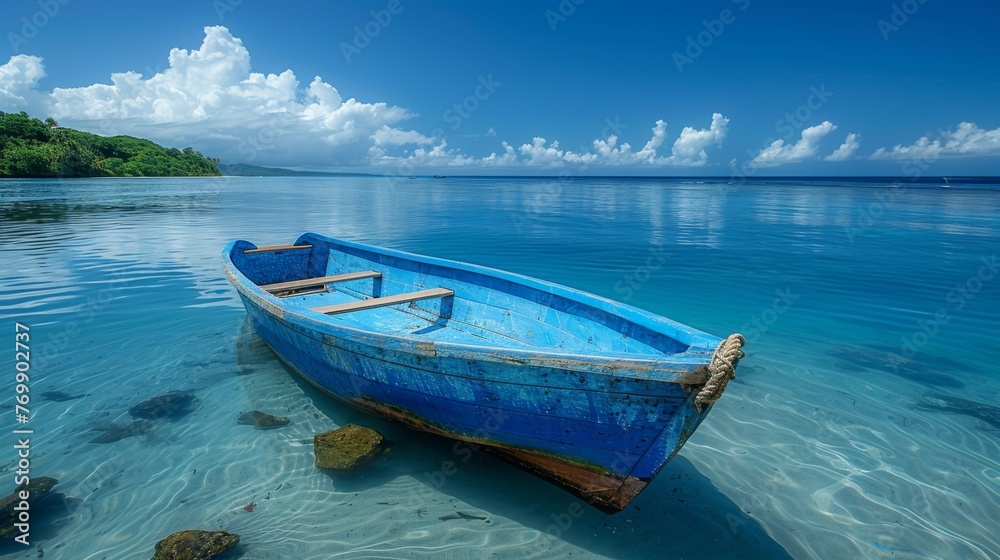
<point>30,147</point>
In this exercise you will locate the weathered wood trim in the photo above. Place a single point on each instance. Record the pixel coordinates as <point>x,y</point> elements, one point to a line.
<point>322,280</point>
<point>384,301</point>
<point>276,248</point>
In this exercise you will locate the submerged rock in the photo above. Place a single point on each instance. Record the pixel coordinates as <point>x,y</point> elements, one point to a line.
<point>347,448</point>
<point>926,370</point>
<point>113,432</point>
<point>464,516</point>
<point>194,545</point>
<point>262,420</point>
<point>37,489</point>
<point>251,350</point>
<point>171,405</point>
<point>982,411</point>
<point>60,396</point>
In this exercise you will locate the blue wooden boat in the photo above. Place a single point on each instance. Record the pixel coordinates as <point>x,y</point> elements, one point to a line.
<point>589,393</point>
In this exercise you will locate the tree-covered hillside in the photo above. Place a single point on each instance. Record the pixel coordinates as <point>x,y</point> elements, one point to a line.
<point>32,148</point>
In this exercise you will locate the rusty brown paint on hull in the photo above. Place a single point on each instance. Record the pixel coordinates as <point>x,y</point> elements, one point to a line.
<point>604,490</point>
<point>598,394</point>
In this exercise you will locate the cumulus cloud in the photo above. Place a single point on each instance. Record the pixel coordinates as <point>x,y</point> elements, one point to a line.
<point>210,98</point>
<point>779,153</point>
<point>389,136</point>
<point>846,150</point>
<point>689,148</point>
<point>966,140</point>
<point>18,80</point>
<point>688,151</point>
<point>648,152</point>
<point>508,158</point>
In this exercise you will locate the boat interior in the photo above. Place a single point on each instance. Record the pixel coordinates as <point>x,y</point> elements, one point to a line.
<point>385,293</point>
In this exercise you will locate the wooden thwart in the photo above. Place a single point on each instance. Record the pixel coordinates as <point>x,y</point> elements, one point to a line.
<point>384,301</point>
<point>276,248</point>
<point>322,280</point>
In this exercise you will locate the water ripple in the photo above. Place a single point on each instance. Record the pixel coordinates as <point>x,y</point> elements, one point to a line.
<point>819,449</point>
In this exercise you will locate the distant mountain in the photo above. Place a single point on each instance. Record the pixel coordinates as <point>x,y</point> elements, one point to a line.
<point>247,170</point>
<point>31,148</point>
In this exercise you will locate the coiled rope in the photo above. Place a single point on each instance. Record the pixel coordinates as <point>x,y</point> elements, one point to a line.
<point>721,369</point>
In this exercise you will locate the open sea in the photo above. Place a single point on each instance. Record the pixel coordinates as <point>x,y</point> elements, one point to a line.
<point>864,421</point>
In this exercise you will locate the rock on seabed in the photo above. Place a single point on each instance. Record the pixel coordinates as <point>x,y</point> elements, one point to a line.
<point>262,420</point>
<point>194,545</point>
<point>37,488</point>
<point>347,448</point>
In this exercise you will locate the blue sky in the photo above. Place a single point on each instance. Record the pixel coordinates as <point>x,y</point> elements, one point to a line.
<point>514,87</point>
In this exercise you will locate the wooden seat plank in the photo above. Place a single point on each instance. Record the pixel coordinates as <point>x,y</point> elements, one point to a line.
<point>384,301</point>
<point>276,248</point>
<point>322,280</point>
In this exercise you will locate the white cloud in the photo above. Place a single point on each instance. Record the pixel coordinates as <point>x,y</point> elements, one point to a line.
<point>538,153</point>
<point>689,148</point>
<point>778,153</point>
<point>846,150</point>
<point>648,152</point>
<point>966,140</point>
<point>18,79</point>
<point>210,98</point>
<point>508,158</point>
<point>389,136</point>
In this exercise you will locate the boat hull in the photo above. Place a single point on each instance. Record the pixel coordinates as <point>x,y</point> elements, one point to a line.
<point>601,431</point>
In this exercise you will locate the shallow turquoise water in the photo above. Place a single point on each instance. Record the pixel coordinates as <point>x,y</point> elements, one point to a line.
<point>866,306</point>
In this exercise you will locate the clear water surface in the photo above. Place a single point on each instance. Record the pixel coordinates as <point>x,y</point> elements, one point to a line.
<point>864,422</point>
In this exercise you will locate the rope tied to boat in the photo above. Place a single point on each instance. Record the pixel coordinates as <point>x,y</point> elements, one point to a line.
<point>721,370</point>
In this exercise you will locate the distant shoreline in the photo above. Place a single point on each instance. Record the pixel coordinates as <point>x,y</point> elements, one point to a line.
<point>777,180</point>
